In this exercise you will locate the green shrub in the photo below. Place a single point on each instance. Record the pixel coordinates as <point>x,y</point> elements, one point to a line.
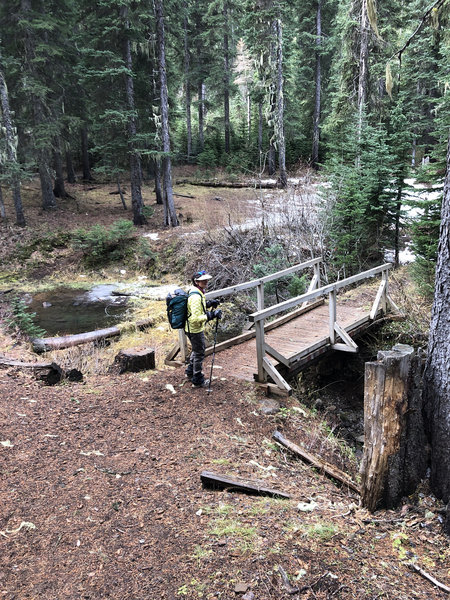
<point>22,320</point>
<point>100,245</point>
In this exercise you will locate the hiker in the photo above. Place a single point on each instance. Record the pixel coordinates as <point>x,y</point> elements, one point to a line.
<point>197,317</point>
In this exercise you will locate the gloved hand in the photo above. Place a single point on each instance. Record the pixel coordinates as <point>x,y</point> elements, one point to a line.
<point>212,303</point>
<point>213,314</point>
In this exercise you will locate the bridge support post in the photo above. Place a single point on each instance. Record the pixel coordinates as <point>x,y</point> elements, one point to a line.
<point>332,310</point>
<point>182,340</point>
<point>260,352</point>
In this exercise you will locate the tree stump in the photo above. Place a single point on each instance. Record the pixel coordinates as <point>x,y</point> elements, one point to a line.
<point>394,459</point>
<point>48,372</point>
<point>134,360</point>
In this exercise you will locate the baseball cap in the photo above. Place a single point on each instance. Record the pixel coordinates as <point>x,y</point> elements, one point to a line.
<point>201,276</point>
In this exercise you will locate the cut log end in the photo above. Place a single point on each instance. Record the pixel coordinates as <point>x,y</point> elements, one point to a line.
<point>134,360</point>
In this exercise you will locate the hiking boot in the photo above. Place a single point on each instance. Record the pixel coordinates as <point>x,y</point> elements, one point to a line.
<point>189,374</point>
<point>201,384</point>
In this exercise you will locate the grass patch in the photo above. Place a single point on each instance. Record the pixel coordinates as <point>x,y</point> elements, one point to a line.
<point>322,531</point>
<point>229,527</point>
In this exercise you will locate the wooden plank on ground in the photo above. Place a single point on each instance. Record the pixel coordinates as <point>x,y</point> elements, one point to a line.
<point>318,463</point>
<point>210,479</point>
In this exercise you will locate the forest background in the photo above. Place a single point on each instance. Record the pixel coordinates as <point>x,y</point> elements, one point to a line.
<point>126,89</point>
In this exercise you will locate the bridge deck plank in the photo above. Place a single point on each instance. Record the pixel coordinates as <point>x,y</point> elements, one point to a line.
<point>296,336</point>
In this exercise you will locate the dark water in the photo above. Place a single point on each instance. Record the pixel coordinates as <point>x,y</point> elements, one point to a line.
<point>65,311</point>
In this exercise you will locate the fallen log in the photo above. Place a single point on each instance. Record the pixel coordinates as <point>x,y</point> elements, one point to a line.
<point>329,470</point>
<point>49,373</point>
<point>67,341</point>
<point>224,184</point>
<point>248,486</point>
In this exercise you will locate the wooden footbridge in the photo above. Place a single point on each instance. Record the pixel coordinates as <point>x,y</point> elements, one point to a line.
<point>326,318</point>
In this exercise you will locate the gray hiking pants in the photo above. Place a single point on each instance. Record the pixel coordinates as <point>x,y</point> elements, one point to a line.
<point>194,369</point>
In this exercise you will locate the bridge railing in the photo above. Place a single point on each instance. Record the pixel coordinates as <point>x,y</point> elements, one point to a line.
<point>181,346</point>
<point>381,302</point>
<point>259,283</point>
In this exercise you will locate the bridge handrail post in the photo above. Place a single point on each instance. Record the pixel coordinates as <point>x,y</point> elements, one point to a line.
<point>384,301</point>
<point>332,312</point>
<point>317,275</point>
<point>260,351</point>
<point>260,296</point>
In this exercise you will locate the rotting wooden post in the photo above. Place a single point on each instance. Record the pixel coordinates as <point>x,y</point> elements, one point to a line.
<point>332,309</point>
<point>260,296</point>
<point>394,459</point>
<point>182,339</point>
<point>260,351</point>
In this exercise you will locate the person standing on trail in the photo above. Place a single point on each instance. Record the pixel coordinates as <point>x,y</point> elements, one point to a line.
<point>197,317</point>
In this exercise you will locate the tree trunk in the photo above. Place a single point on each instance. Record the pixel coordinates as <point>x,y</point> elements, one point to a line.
<point>48,197</point>
<point>169,206</point>
<point>58,189</point>
<point>316,117</point>
<point>187,85</point>
<point>201,114</point>
<point>394,459</point>
<point>437,372</point>
<point>363,77</point>
<point>226,79</point>
<point>11,155</point>
<point>398,208</point>
<point>2,205</point>
<point>41,143</point>
<point>87,175</point>
<point>135,159</point>
<point>260,127</point>
<point>158,190</point>
<point>119,189</point>
<point>280,107</point>
<point>71,175</point>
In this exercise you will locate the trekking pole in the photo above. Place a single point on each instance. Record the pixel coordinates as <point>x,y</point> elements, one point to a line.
<point>213,356</point>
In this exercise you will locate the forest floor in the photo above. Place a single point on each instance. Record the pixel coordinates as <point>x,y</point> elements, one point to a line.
<point>101,495</point>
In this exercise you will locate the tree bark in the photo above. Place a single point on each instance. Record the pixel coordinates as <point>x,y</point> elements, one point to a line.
<point>316,117</point>
<point>169,206</point>
<point>11,155</point>
<point>280,107</point>
<point>135,159</point>
<point>437,372</point>
<point>394,458</point>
